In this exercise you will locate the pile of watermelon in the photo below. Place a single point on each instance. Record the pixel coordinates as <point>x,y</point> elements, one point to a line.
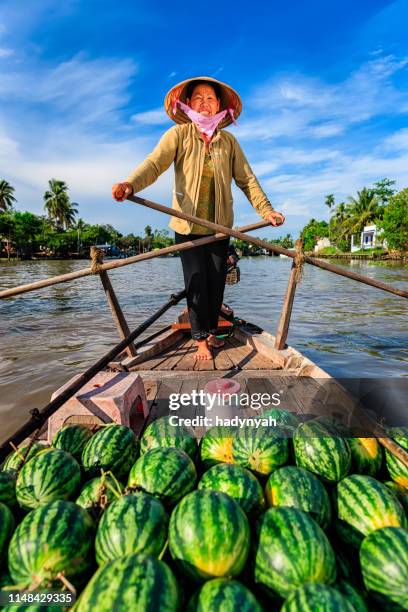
<point>301,517</point>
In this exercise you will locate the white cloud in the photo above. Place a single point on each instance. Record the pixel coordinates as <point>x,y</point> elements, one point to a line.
<point>6,52</point>
<point>156,116</point>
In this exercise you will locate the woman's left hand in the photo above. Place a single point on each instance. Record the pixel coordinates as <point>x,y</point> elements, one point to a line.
<point>275,218</point>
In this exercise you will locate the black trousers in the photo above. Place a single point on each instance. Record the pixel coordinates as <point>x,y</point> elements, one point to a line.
<point>205,271</point>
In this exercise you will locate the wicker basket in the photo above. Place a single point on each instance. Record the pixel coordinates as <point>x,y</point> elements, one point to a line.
<point>233,275</point>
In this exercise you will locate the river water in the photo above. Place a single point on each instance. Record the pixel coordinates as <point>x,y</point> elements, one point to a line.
<point>46,336</point>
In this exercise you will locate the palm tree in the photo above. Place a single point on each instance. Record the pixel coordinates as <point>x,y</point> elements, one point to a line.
<point>58,205</point>
<point>329,201</point>
<point>80,226</point>
<point>6,195</point>
<point>361,210</point>
<point>148,234</point>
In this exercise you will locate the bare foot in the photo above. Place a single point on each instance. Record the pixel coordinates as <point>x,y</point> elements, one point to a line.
<point>203,352</point>
<point>213,341</point>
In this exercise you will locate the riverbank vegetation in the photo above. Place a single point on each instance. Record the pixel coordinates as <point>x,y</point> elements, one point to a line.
<point>380,206</point>
<point>61,233</point>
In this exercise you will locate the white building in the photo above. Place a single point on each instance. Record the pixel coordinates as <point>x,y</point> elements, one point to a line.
<point>321,244</point>
<point>370,238</point>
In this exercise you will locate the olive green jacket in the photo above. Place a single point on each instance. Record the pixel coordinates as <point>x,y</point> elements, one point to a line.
<point>183,145</point>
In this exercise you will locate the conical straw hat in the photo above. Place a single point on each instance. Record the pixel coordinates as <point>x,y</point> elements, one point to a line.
<point>229,99</point>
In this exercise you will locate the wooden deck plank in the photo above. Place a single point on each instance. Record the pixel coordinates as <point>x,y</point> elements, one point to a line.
<point>187,362</point>
<point>246,357</point>
<point>222,360</point>
<point>154,362</point>
<point>174,357</point>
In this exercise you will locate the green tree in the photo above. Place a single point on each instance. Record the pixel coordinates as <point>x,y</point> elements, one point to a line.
<point>383,190</point>
<point>7,198</point>
<point>58,205</point>
<point>361,210</point>
<point>395,221</point>
<point>312,232</point>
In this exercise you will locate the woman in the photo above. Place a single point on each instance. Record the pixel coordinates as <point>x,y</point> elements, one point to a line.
<point>206,159</point>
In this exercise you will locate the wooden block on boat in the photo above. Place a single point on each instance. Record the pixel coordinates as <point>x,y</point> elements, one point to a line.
<point>221,323</point>
<point>109,396</point>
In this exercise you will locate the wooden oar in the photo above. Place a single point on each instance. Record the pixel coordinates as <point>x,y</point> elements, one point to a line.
<point>266,245</point>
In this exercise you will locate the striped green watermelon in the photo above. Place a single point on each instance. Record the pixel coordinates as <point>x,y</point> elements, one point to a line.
<point>237,482</point>
<point>50,475</point>
<point>259,450</point>
<point>216,446</point>
<point>384,564</point>
<point>209,535</point>
<point>56,537</point>
<point>114,448</point>
<point>161,434</point>
<point>366,455</point>
<point>99,492</point>
<point>19,457</point>
<point>316,598</point>
<point>6,529</point>
<point>166,473</point>
<point>286,422</point>
<point>400,492</point>
<point>398,471</point>
<point>72,439</point>
<point>353,596</point>
<point>223,595</point>
<point>132,524</point>
<point>292,550</point>
<point>297,488</point>
<point>319,451</point>
<point>8,488</point>
<point>134,582</point>
<point>363,505</point>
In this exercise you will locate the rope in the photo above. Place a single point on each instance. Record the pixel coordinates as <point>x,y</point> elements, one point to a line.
<point>97,259</point>
<point>299,260</point>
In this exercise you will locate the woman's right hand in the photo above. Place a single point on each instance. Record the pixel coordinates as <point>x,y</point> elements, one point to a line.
<point>120,191</point>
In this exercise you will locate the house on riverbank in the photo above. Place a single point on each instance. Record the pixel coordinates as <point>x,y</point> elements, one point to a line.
<point>369,238</point>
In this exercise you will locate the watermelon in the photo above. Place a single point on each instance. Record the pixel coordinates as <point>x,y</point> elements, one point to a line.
<point>50,475</point>
<point>317,598</point>
<point>286,422</point>
<point>292,550</point>
<point>260,450</point>
<point>209,535</point>
<point>319,451</point>
<point>166,473</point>
<point>133,582</point>
<point>72,439</point>
<point>161,434</point>
<point>222,595</point>
<point>19,457</point>
<point>363,505</point>
<point>297,488</point>
<point>6,529</point>
<point>8,488</point>
<point>237,482</point>
<point>132,524</point>
<point>353,596</point>
<point>56,537</point>
<point>216,446</point>
<point>99,492</point>
<point>366,455</point>
<point>397,470</point>
<point>384,564</point>
<point>114,448</point>
<point>400,492</point>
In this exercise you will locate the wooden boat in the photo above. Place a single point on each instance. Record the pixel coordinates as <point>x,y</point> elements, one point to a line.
<point>167,365</point>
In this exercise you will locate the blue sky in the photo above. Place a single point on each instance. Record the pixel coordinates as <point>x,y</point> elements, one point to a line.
<point>324,89</point>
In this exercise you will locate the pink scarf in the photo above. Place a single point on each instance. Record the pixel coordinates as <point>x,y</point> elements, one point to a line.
<point>206,125</point>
